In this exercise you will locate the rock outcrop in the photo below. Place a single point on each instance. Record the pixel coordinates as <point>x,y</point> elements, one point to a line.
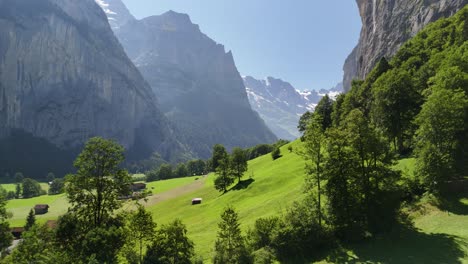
<point>195,80</point>
<point>64,77</point>
<point>386,25</point>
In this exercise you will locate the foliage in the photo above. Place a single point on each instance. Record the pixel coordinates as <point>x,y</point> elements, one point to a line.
<point>30,188</point>
<point>219,152</point>
<point>30,221</point>
<point>140,230</point>
<point>258,150</point>
<point>323,113</point>
<point>50,177</point>
<point>276,153</point>
<point>238,162</point>
<point>19,177</point>
<point>314,145</point>
<point>171,245</point>
<point>165,172</point>
<point>94,190</point>
<point>196,167</point>
<point>442,130</point>
<point>5,235</point>
<point>36,246</point>
<point>303,121</point>
<point>181,171</point>
<point>224,174</point>
<point>230,245</point>
<point>57,186</point>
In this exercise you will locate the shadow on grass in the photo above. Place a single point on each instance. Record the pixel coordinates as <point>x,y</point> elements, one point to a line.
<point>242,185</point>
<point>453,204</point>
<point>404,246</point>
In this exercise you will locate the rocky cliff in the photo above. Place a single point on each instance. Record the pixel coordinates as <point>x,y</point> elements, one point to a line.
<point>281,105</point>
<point>386,25</point>
<point>196,81</point>
<point>64,77</point>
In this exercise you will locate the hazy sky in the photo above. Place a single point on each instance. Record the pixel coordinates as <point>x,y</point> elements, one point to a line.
<point>304,42</point>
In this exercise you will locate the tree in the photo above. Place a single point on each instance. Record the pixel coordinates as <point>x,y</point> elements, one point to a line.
<point>30,220</point>
<point>196,167</point>
<point>395,105</point>
<point>5,234</point>
<point>303,121</point>
<point>31,188</point>
<point>442,129</point>
<point>171,245</point>
<point>276,153</point>
<point>50,177</point>
<point>57,186</point>
<point>94,190</point>
<point>230,245</point>
<point>323,112</point>
<point>141,230</point>
<point>165,172</point>
<point>17,191</point>
<point>314,142</point>
<point>219,151</point>
<point>238,162</point>
<point>181,171</point>
<point>224,174</point>
<point>19,177</point>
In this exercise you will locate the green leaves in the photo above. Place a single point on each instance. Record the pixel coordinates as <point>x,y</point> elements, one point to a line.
<point>94,191</point>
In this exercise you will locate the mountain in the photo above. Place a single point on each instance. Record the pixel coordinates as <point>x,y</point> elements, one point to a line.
<point>281,105</point>
<point>196,81</point>
<point>386,25</point>
<point>64,78</point>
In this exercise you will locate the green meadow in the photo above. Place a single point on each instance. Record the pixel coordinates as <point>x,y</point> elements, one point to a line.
<point>269,188</point>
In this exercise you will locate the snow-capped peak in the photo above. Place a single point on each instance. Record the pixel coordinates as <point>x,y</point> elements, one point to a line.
<point>105,7</point>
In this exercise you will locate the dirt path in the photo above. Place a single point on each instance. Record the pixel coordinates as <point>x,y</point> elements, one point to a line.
<point>161,197</point>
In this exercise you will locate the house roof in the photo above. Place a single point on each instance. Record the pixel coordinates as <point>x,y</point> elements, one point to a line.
<point>41,206</point>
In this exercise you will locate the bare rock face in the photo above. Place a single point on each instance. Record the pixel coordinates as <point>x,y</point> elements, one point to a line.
<point>64,77</point>
<point>386,25</point>
<point>196,81</point>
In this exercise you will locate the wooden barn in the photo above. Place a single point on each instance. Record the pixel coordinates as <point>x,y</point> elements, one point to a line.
<point>40,209</point>
<point>136,187</point>
<point>17,232</point>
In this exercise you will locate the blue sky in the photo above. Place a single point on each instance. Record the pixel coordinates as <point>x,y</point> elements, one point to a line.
<point>304,42</point>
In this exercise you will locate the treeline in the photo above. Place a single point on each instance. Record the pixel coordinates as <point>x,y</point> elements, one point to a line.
<point>202,167</point>
<point>95,230</point>
<point>415,105</point>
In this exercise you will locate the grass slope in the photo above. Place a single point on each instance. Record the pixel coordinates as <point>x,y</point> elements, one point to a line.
<point>276,184</point>
<point>59,204</point>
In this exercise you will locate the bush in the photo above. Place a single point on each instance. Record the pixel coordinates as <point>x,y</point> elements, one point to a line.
<point>276,154</point>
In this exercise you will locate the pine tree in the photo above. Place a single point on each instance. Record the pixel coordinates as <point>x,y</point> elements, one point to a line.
<point>230,246</point>
<point>30,220</point>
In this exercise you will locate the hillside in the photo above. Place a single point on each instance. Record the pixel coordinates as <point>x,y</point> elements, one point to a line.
<point>439,235</point>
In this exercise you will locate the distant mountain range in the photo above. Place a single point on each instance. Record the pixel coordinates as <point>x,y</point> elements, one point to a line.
<point>195,79</point>
<point>281,105</point>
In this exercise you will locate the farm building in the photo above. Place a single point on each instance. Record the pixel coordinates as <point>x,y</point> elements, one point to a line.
<point>41,209</point>
<point>139,186</point>
<point>17,232</point>
<point>196,201</point>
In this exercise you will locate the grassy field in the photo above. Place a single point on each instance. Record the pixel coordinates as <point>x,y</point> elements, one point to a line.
<point>269,187</point>
<point>59,205</point>
<point>12,187</point>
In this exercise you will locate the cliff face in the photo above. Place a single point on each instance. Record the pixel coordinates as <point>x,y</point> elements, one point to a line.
<point>64,77</point>
<point>195,80</point>
<point>386,25</point>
